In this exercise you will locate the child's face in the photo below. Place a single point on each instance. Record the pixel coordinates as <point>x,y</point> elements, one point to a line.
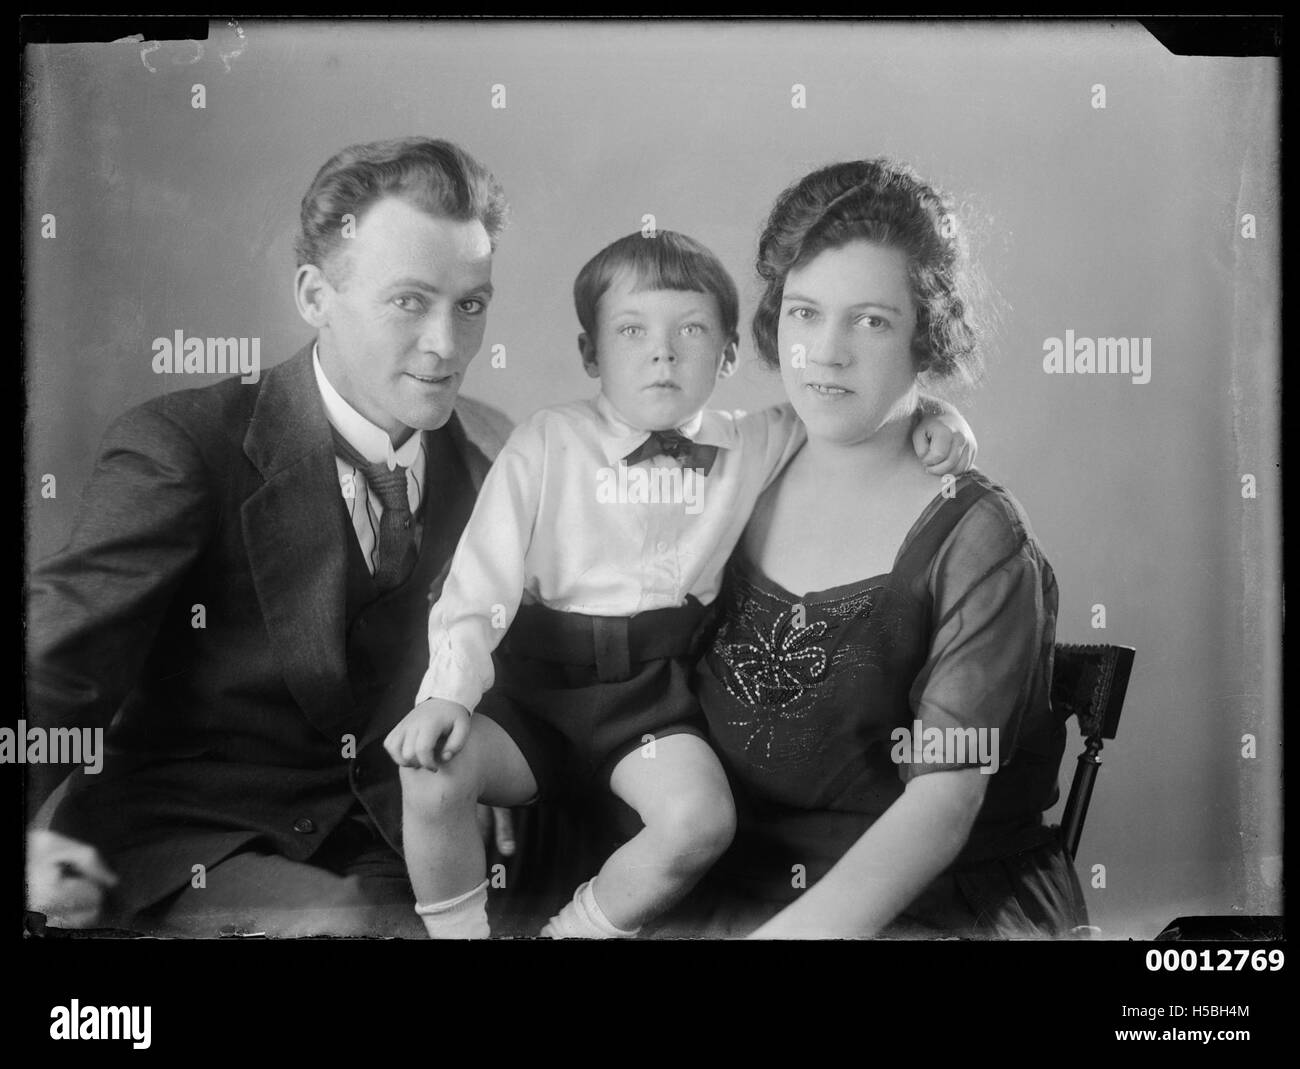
<point>658,353</point>
<point>845,341</point>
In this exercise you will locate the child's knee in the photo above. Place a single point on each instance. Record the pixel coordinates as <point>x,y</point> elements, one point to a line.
<point>432,796</point>
<point>698,825</point>
<point>719,818</point>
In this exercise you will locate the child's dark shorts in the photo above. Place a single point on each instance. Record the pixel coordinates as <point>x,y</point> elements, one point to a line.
<point>578,693</point>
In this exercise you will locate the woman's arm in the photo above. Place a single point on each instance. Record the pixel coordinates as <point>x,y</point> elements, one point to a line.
<point>894,861</point>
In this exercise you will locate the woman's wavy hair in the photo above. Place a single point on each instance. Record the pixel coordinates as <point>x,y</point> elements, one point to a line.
<point>886,203</point>
<point>437,177</point>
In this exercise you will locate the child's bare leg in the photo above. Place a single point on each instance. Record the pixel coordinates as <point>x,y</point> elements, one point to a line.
<point>440,833</point>
<point>682,797</point>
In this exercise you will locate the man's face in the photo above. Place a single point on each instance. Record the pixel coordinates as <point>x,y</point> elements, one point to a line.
<point>658,353</point>
<point>406,317</point>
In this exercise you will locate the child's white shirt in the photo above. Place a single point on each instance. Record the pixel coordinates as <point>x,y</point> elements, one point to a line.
<point>562,522</point>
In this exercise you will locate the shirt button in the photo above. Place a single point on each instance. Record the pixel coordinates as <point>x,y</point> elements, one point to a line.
<point>304,825</point>
<point>661,547</point>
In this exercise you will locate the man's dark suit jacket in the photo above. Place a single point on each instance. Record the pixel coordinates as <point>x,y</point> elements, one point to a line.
<point>225,497</point>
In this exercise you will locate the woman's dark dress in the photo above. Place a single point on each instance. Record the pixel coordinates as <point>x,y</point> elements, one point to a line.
<point>802,695</point>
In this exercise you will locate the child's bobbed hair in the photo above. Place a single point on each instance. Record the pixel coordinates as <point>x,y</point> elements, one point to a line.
<point>666,261</point>
<point>885,203</point>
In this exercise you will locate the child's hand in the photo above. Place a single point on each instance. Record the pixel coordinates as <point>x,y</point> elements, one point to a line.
<point>418,741</point>
<point>945,443</point>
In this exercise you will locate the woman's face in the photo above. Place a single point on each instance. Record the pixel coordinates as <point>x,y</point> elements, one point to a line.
<point>845,341</point>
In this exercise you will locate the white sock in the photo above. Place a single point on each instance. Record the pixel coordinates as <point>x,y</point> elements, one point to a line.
<point>582,918</point>
<point>462,917</point>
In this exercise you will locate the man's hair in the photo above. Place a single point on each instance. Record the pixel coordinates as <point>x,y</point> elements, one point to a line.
<point>437,177</point>
<point>667,261</point>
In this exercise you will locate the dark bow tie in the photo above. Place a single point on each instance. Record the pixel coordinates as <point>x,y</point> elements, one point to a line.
<point>677,446</point>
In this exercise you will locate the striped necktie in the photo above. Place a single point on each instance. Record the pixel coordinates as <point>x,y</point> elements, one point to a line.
<point>396,543</point>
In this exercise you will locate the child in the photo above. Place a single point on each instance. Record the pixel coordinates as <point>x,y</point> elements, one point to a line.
<point>600,534</point>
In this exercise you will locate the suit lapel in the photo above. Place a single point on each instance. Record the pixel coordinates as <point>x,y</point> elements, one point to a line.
<point>473,447</point>
<point>294,530</point>
<point>297,535</point>
<point>445,490</point>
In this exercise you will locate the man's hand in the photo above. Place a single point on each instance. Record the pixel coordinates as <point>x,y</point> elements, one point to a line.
<point>66,879</point>
<point>430,734</point>
<point>496,823</point>
<point>945,443</point>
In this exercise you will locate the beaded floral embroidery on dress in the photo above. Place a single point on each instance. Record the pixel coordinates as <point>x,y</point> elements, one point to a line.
<point>777,665</point>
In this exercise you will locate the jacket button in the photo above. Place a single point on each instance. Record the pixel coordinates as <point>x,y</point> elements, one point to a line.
<point>304,825</point>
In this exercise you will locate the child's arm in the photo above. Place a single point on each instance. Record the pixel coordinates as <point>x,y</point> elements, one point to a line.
<point>479,600</point>
<point>943,439</point>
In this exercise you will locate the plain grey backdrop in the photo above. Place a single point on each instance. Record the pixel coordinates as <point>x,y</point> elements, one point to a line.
<point>1117,221</point>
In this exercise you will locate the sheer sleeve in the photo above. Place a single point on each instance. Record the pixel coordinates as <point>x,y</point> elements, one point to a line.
<point>993,619</point>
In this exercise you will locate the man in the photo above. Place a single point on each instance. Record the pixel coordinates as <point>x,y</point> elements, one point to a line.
<point>243,602</point>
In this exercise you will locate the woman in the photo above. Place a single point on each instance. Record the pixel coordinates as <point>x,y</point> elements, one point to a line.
<point>878,688</point>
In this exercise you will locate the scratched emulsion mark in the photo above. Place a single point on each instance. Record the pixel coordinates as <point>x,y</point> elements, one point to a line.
<point>241,43</point>
<point>1256,303</point>
<point>190,52</point>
